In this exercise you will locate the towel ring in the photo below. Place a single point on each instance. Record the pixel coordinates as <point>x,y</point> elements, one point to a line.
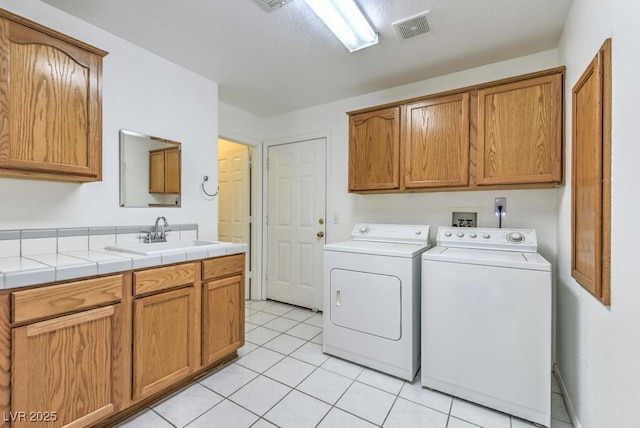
<point>204,180</point>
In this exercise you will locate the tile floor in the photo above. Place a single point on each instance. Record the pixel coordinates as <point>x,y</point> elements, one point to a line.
<point>282,379</point>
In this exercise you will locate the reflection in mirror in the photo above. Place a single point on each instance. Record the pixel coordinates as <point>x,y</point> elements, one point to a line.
<point>150,171</point>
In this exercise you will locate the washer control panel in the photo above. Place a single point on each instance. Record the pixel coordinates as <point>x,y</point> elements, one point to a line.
<point>400,233</point>
<point>488,238</point>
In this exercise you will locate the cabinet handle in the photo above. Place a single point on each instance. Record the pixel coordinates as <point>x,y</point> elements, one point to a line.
<point>338,297</point>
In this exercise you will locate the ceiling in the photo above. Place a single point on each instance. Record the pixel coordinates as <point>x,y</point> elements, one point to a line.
<point>268,63</point>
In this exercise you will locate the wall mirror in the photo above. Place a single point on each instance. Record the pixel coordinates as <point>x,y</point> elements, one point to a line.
<point>150,171</point>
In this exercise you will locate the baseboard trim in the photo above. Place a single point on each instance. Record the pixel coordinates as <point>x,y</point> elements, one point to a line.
<point>567,398</point>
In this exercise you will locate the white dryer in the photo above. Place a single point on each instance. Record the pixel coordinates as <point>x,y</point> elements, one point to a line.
<point>372,297</point>
<point>486,320</point>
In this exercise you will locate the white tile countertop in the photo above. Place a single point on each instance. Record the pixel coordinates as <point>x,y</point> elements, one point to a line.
<point>51,267</point>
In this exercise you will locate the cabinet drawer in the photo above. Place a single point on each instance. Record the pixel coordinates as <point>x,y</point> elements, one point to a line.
<point>59,299</point>
<point>223,266</point>
<point>153,280</point>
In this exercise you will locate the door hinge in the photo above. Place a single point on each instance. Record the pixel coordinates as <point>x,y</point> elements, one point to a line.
<point>266,219</point>
<point>267,162</point>
<point>250,219</point>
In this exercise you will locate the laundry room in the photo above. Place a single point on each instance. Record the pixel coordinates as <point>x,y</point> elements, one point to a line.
<point>496,148</point>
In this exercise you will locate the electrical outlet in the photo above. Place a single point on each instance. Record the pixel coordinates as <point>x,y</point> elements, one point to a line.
<point>501,202</point>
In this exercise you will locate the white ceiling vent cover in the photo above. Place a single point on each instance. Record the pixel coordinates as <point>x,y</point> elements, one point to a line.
<point>271,5</point>
<point>414,26</point>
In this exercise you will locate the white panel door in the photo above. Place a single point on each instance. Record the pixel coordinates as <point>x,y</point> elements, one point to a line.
<point>296,222</point>
<point>233,199</point>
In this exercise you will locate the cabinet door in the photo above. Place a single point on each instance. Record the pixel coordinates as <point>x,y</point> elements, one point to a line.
<point>50,102</point>
<point>374,150</point>
<point>436,143</point>
<point>222,318</point>
<point>156,171</point>
<point>163,340</point>
<point>591,177</point>
<point>65,366</point>
<point>520,132</point>
<point>172,171</point>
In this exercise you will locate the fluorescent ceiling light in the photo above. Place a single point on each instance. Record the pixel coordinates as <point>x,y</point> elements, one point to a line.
<point>347,22</point>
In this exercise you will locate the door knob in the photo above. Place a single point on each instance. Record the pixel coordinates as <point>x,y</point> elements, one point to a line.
<point>320,234</point>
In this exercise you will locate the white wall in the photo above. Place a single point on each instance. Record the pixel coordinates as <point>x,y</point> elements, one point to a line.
<point>141,92</point>
<point>526,208</point>
<point>599,347</point>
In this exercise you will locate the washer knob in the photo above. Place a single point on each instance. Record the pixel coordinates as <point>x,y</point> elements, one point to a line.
<point>447,234</point>
<point>460,234</point>
<point>515,237</point>
<point>418,232</point>
<point>364,229</point>
<point>486,236</point>
<point>473,235</point>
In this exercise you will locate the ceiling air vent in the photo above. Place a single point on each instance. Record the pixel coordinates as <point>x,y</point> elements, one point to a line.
<point>412,27</point>
<point>271,5</point>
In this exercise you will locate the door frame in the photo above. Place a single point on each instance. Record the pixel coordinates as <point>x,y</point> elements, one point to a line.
<point>254,264</point>
<point>261,294</point>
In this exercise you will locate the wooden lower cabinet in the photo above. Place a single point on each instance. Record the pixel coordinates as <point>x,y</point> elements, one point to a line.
<point>163,340</point>
<point>88,352</point>
<point>63,369</point>
<point>222,318</point>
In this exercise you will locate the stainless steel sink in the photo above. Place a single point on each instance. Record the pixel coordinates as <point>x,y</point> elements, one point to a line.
<point>154,248</point>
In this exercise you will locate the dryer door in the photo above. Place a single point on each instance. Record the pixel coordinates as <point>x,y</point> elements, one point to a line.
<point>366,302</point>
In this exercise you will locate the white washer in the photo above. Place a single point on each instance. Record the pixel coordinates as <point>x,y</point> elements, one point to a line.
<point>372,297</point>
<point>486,320</point>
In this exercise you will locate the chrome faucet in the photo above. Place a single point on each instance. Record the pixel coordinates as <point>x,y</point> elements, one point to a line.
<point>159,233</point>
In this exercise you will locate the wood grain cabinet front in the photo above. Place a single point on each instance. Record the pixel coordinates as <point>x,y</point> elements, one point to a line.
<point>374,150</point>
<point>67,369</point>
<point>163,340</point>
<point>436,143</point>
<point>222,307</point>
<point>165,327</point>
<point>84,353</point>
<point>497,135</point>
<point>520,132</point>
<point>50,103</point>
<point>164,171</point>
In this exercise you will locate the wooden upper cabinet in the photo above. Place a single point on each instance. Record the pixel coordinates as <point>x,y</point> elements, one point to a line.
<point>164,171</point>
<point>520,132</point>
<point>374,150</point>
<point>436,142</point>
<point>50,104</point>
<point>156,171</point>
<point>172,171</point>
